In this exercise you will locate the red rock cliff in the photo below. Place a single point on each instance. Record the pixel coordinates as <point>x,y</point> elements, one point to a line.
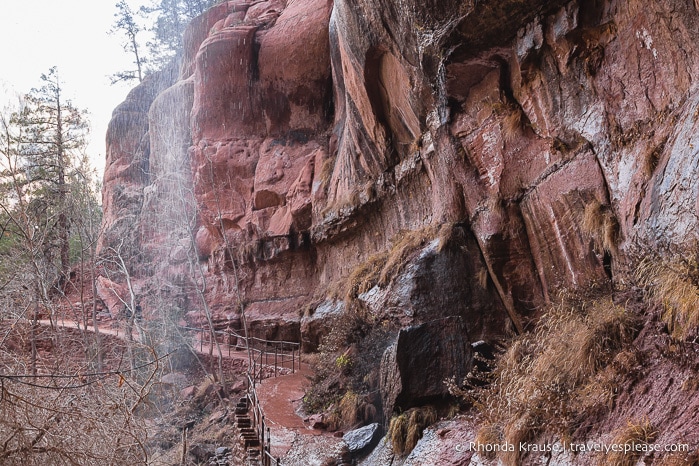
<point>302,137</point>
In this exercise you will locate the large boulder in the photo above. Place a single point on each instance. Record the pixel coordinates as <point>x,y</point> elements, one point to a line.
<point>359,439</point>
<point>415,367</point>
<point>438,279</point>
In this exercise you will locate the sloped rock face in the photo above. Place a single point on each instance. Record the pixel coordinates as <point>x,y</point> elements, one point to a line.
<point>519,129</point>
<point>415,366</point>
<point>127,169</point>
<point>304,137</point>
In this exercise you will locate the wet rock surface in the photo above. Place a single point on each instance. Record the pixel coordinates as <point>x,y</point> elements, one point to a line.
<point>414,368</point>
<point>308,149</point>
<point>297,140</point>
<point>360,439</point>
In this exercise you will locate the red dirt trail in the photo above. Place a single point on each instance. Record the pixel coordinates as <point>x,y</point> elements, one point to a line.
<point>280,396</point>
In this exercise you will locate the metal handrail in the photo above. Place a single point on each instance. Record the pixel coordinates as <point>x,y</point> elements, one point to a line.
<point>237,335</point>
<point>283,352</point>
<point>260,426</point>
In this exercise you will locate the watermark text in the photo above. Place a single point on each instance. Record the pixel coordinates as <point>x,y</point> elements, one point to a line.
<point>588,447</point>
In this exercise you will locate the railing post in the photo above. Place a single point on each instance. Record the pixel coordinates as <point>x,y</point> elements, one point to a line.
<point>261,435</point>
<point>275,360</point>
<point>269,443</point>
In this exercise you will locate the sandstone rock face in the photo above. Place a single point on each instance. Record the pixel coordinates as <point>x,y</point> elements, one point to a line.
<point>301,138</point>
<point>414,368</point>
<point>112,295</point>
<point>519,129</point>
<point>556,142</point>
<point>127,165</point>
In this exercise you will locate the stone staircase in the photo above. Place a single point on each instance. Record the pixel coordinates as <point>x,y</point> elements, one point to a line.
<point>248,437</point>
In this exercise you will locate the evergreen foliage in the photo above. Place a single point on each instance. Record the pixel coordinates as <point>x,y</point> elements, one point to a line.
<point>127,24</point>
<point>170,20</point>
<point>47,191</point>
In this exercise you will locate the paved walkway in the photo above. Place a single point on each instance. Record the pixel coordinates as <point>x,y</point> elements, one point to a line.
<point>281,398</point>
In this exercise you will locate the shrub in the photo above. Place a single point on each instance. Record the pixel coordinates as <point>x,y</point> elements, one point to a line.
<point>338,370</point>
<point>545,380</point>
<point>674,284</point>
<point>634,433</point>
<point>405,429</point>
<point>328,384</point>
<point>343,362</point>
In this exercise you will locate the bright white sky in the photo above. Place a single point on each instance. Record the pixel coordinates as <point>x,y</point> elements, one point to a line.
<point>72,35</point>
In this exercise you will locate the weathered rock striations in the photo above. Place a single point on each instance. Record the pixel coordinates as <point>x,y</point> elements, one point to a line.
<point>303,138</point>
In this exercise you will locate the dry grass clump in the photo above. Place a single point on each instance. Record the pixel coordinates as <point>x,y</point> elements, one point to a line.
<point>511,125</point>
<point>486,436</point>
<point>381,268</point>
<point>403,246</point>
<point>679,459</point>
<point>674,284</point>
<point>650,162</point>
<point>406,429</point>
<point>597,394</point>
<point>345,205</point>
<point>691,384</point>
<point>633,434</point>
<point>544,379</point>
<point>349,408</point>
<point>601,225</point>
<point>326,170</point>
<point>362,278</point>
<point>351,411</point>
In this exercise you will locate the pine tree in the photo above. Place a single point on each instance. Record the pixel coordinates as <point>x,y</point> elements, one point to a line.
<point>127,24</point>
<point>171,19</point>
<point>51,138</point>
